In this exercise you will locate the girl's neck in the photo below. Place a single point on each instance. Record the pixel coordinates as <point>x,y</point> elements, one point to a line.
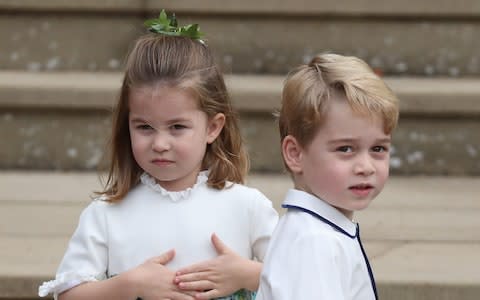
<point>179,184</point>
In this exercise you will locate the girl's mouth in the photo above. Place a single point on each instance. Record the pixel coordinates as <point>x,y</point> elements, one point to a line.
<point>162,162</point>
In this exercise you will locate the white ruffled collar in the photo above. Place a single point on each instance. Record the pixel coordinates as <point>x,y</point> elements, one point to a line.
<point>174,196</point>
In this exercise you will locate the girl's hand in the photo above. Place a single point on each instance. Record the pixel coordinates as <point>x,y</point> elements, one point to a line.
<point>153,280</point>
<point>221,276</point>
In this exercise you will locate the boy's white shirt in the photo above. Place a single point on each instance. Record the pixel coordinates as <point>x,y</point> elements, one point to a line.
<point>309,259</point>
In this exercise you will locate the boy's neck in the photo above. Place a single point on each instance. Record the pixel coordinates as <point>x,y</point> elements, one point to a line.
<point>303,187</point>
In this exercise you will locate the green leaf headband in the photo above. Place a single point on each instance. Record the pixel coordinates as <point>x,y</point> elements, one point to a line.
<point>168,25</point>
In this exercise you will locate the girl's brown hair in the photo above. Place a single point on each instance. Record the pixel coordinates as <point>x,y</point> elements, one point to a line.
<point>184,63</point>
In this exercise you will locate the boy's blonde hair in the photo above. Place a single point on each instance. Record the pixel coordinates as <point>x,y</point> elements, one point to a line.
<point>309,88</point>
<point>188,64</point>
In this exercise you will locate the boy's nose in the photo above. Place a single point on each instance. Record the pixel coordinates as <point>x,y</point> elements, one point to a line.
<point>364,165</point>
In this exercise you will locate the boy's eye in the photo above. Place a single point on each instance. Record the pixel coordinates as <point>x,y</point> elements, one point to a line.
<point>345,149</point>
<point>379,149</point>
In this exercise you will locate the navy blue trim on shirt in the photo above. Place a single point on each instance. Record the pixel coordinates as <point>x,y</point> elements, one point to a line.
<point>357,235</point>
<point>370,273</point>
<point>288,206</point>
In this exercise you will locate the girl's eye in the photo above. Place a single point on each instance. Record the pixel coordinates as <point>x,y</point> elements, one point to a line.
<point>345,149</point>
<point>144,127</point>
<point>379,149</point>
<point>178,126</point>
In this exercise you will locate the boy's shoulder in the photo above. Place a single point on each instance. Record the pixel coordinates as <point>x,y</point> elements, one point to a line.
<point>310,208</point>
<point>303,226</point>
<point>295,236</point>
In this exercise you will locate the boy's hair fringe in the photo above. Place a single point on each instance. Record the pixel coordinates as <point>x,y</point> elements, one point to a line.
<point>178,62</point>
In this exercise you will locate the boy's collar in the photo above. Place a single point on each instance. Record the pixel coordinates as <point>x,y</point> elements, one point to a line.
<point>313,205</point>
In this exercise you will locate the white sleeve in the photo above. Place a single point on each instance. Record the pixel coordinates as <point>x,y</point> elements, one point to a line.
<point>306,268</point>
<point>86,256</point>
<point>263,222</point>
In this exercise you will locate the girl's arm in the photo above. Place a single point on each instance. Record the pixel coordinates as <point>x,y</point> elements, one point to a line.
<point>119,287</point>
<point>221,276</point>
<point>151,280</point>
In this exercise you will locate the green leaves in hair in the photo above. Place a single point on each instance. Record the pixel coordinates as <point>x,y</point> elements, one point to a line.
<point>168,25</point>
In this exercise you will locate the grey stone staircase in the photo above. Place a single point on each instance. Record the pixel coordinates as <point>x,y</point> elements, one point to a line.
<point>60,71</point>
<point>423,38</point>
<point>421,234</point>
<point>60,121</point>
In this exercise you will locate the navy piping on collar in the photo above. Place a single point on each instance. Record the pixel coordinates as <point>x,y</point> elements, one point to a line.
<point>370,273</point>
<point>357,235</point>
<point>288,206</point>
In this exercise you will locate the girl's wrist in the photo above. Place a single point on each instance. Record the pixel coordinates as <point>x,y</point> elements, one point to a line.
<point>252,275</point>
<point>130,281</point>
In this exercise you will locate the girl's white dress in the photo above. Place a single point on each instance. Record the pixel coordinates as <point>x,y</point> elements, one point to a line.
<point>112,238</point>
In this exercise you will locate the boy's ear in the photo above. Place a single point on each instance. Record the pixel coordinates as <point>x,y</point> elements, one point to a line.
<point>292,154</point>
<point>215,126</point>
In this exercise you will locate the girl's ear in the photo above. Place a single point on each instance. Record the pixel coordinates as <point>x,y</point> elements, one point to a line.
<point>292,154</point>
<point>215,126</point>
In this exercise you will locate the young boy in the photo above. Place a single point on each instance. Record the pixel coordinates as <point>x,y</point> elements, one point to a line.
<point>335,123</point>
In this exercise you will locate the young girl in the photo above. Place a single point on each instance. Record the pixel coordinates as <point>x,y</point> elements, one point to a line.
<point>174,221</point>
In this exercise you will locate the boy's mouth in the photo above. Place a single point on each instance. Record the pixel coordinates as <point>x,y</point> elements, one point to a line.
<point>361,186</point>
<point>361,189</point>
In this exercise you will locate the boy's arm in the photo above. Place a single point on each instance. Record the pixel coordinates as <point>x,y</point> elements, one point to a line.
<point>303,267</point>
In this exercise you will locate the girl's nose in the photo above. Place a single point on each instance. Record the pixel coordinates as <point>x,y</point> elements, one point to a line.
<point>161,143</point>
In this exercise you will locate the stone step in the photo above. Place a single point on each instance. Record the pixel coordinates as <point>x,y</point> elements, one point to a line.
<point>61,121</point>
<point>421,234</point>
<point>423,38</point>
<point>461,8</point>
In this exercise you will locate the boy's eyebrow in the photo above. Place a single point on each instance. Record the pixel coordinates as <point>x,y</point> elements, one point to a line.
<point>342,141</point>
<point>351,140</point>
<point>384,140</point>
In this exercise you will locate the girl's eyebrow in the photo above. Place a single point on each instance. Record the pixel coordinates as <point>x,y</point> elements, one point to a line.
<point>137,120</point>
<point>177,120</point>
<point>170,121</point>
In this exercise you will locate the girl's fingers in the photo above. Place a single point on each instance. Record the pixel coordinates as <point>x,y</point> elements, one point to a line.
<point>164,258</point>
<point>211,294</point>
<point>196,268</point>
<point>220,247</point>
<point>192,277</point>
<point>201,285</point>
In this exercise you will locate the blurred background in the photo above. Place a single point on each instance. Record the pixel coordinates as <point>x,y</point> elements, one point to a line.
<point>61,65</point>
